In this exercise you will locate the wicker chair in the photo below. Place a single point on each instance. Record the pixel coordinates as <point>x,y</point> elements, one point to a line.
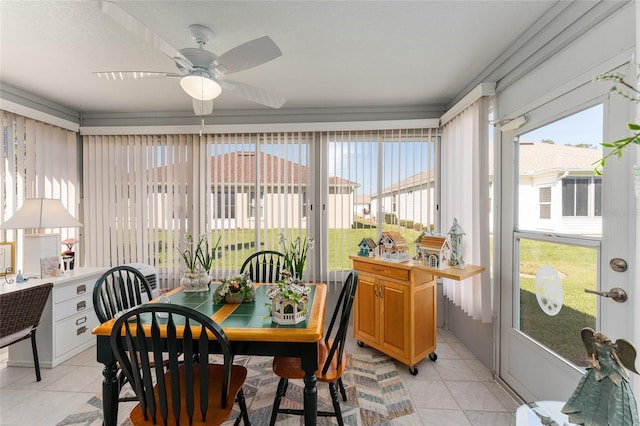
<point>20,313</point>
<point>264,266</point>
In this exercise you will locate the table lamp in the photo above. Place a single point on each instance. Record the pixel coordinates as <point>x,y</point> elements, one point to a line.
<point>41,252</point>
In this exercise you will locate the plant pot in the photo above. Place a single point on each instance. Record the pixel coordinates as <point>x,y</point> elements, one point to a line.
<point>192,282</point>
<point>234,297</point>
<point>69,260</point>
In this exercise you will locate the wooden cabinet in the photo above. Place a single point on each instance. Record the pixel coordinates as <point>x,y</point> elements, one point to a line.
<point>68,318</point>
<point>395,310</point>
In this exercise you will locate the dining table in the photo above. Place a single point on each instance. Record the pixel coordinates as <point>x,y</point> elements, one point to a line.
<point>250,331</point>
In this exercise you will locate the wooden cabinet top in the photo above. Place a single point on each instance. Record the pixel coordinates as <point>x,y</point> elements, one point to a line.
<point>451,273</point>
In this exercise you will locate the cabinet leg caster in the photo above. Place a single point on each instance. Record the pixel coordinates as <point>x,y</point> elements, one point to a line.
<point>433,356</point>
<point>360,344</point>
<point>413,370</point>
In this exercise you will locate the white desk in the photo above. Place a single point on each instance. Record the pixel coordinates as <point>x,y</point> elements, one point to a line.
<point>68,318</point>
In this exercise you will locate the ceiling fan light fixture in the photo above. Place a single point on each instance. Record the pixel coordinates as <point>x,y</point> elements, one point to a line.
<point>200,87</point>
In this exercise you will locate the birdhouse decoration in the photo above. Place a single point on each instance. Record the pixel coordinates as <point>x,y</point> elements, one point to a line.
<point>367,248</point>
<point>434,251</point>
<point>393,247</point>
<point>455,236</point>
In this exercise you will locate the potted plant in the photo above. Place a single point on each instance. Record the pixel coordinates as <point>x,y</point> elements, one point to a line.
<point>69,256</point>
<point>235,289</point>
<point>295,254</point>
<point>191,279</point>
<point>289,300</point>
<point>205,255</point>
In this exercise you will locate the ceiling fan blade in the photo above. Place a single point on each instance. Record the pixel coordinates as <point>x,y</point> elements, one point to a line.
<point>202,107</point>
<point>255,94</point>
<point>247,55</point>
<point>135,75</point>
<point>142,31</point>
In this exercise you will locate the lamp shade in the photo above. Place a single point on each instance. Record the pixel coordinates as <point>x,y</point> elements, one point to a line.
<point>200,87</point>
<point>39,213</point>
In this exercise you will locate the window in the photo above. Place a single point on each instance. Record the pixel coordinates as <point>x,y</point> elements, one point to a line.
<point>225,205</point>
<point>252,205</point>
<point>392,173</point>
<point>544,200</point>
<point>581,196</point>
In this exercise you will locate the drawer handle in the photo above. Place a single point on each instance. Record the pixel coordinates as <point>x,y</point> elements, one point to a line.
<point>81,320</point>
<point>81,289</point>
<point>81,305</point>
<point>378,269</point>
<point>81,330</point>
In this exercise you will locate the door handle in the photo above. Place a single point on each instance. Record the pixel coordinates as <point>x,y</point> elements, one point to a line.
<point>616,293</point>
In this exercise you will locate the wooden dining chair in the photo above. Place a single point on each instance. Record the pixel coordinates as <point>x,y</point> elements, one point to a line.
<point>117,290</point>
<point>264,266</point>
<point>189,392</point>
<point>20,313</point>
<point>331,357</point>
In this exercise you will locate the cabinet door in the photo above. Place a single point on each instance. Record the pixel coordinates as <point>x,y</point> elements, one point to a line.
<point>395,321</point>
<point>367,310</point>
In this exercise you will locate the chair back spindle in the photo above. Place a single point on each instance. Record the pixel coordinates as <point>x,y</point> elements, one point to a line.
<point>119,289</point>
<point>264,266</point>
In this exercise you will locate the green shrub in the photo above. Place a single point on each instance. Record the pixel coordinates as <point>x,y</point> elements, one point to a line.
<point>390,219</point>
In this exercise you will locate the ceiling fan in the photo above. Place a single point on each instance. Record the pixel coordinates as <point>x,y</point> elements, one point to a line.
<point>202,73</point>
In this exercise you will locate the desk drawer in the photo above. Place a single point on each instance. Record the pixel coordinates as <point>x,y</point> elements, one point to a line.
<point>74,331</point>
<point>75,289</point>
<point>382,270</point>
<point>73,306</point>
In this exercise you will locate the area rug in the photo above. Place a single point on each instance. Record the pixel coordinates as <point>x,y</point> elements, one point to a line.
<point>376,395</point>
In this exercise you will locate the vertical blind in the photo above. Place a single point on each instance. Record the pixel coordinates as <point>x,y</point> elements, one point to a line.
<point>465,196</point>
<point>377,180</point>
<point>144,193</point>
<point>39,160</point>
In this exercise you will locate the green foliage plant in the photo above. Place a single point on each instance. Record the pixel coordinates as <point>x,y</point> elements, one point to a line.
<point>205,255</point>
<point>626,90</point>
<point>295,254</point>
<point>189,254</point>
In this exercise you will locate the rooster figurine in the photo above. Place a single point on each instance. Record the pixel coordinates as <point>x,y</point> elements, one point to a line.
<point>604,396</point>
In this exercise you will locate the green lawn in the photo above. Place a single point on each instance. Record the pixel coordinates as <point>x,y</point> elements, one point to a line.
<point>577,267</point>
<point>560,333</point>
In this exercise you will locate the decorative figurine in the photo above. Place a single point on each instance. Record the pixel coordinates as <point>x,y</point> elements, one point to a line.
<point>434,251</point>
<point>455,236</point>
<point>604,396</point>
<point>393,247</point>
<point>367,248</point>
<point>20,278</point>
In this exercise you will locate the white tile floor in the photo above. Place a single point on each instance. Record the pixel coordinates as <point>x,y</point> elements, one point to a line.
<point>455,390</point>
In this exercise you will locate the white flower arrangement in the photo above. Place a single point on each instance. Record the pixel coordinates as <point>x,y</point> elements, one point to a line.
<point>239,284</point>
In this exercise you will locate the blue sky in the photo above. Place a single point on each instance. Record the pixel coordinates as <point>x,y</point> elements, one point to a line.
<point>583,127</point>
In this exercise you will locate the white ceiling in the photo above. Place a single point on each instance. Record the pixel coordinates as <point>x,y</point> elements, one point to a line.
<point>336,54</point>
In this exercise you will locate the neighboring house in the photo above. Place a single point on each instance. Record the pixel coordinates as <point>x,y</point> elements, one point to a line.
<point>558,191</point>
<point>433,251</point>
<point>362,206</point>
<point>367,247</point>
<point>393,246</point>
<point>267,191</point>
<point>412,198</point>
